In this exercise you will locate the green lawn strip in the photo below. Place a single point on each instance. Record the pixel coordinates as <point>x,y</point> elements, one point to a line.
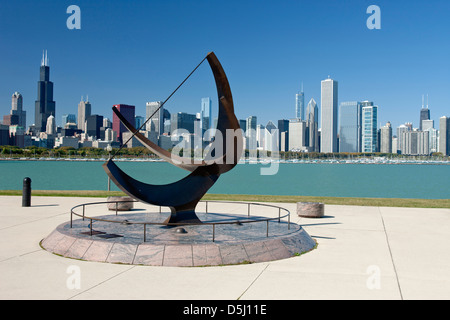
<point>374,202</point>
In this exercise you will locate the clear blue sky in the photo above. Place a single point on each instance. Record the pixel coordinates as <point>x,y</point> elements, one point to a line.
<point>137,51</point>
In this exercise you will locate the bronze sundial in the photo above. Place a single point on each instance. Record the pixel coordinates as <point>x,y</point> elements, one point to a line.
<point>182,196</point>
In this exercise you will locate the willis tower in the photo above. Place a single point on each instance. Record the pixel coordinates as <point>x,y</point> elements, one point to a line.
<point>44,106</point>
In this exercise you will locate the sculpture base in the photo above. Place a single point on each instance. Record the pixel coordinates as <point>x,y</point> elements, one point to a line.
<point>182,217</point>
<point>236,243</point>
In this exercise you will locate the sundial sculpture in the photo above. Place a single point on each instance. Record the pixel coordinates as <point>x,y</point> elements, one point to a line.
<point>183,196</point>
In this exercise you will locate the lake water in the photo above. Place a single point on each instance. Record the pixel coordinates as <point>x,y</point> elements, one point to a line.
<point>305,179</point>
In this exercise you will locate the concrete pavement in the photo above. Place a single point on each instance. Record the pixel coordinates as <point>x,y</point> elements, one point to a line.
<point>362,253</point>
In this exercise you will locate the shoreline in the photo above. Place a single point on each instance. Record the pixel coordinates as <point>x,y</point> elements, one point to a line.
<point>254,161</point>
<point>370,202</point>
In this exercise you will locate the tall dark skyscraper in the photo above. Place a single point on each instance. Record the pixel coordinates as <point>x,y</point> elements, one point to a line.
<point>283,126</point>
<point>128,112</point>
<point>44,106</point>
<point>424,113</point>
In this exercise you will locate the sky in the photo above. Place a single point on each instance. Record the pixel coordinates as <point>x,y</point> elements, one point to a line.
<point>132,52</point>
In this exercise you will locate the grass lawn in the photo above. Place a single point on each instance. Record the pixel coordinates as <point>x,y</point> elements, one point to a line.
<point>376,202</point>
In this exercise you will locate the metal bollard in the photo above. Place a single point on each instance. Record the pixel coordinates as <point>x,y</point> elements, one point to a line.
<point>26,192</point>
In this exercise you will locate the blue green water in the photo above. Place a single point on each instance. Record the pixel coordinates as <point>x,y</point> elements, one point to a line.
<point>307,179</point>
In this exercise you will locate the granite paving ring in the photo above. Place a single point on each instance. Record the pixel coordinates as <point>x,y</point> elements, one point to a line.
<point>145,238</point>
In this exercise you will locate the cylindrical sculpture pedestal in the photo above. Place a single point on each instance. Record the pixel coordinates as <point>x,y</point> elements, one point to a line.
<point>310,209</point>
<point>120,203</point>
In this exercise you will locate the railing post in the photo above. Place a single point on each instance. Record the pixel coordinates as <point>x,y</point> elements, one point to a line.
<point>206,206</point>
<point>267,233</point>
<point>83,212</point>
<point>91,226</point>
<point>279,214</point>
<point>71,214</point>
<point>248,210</point>
<point>214,232</point>
<point>145,225</point>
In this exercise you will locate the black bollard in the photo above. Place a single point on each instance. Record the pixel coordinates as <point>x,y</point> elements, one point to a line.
<point>26,192</point>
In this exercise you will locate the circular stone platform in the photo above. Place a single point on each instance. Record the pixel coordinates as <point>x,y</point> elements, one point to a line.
<point>166,246</point>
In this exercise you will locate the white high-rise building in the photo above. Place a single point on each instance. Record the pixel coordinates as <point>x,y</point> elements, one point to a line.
<point>156,123</point>
<point>386,138</point>
<point>416,143</point>
<point>110,135</point>
<point>297,134</point>
<point>444,135</point>
<point>329,115</point>
<point>51,125</point>
<point>427,124</point>
<point>401,141</point>
<point>271,137</point>
<point>260,136</point>
<point>17,109</point>
<point>84,111</point>
<point>107,123</point>
<point>433,135</point>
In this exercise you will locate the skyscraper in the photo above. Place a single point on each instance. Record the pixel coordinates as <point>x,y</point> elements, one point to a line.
<point>400,142</point>
<point>50,127</point>
<point>297,134</point>
<point>250,133</point>
<point>300,105</point>
<point>329,115</point>
<point>243,124</point>
<point>433,136</point>
<point>128,112</point>
<point>44,105</point>
<point>386,138</point>
<point>416,143</point>
<point>84,111</point>
<point>93,124</point>
<point>369,134</point>
<point>17,109</point>
<point>68,118</point>
<point>182,120</point>
<point>350,126</point>
<point>156,112</point>
<point>205,115</point>
<point>424,113</point>
<point>283,126</point>
<point>444,135</point>
<point>271,137</point>
<point>138,122</point>
<point>312,122</point>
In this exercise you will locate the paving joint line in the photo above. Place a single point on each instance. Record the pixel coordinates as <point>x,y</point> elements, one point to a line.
<point>102,282</point>
<point>390,253</point>
<point>257,277</point>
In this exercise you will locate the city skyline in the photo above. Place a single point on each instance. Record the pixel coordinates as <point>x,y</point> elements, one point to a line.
<point>84,106</point>
<point>395,82</point>
<point>350,127</point>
